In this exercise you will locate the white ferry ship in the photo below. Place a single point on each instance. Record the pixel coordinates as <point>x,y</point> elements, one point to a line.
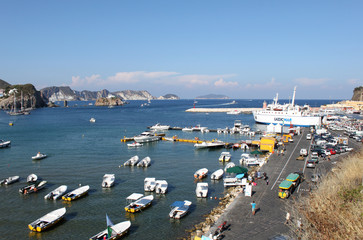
<point>286,114</point>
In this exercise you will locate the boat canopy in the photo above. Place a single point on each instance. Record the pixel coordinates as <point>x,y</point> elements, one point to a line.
<point>135,196</point>
<point>285,184</point>
<point>177,204</point>
<point>240,175</point>
<point>292,177</point>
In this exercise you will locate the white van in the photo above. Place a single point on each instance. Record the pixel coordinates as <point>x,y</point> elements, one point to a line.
<point>308,136</point>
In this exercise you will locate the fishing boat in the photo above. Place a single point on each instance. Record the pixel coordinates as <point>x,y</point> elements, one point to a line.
<point>134,144</point>
<point>201,173</point>
<point>161,186</point>
<point>140,204</point>
<point>75,194</point>
<point>286,114</point>
<point>145,162</point>
<point>4,144</point>
<point>201,189</point>
<point>108,180</point>
<point>9,180</point>
<point>112,231</point>
<point>146,137</point>
<point>159,127</point>
<point>92,120</point>
<point>149,184</point>
<point>47,220</point>
<point>132,161</point>
<point>32,178</point>
<point>225,157</point>
<point>216,144</point>
<point>32,188</point>
<point>217,174</point>
<point>39,156</point>
<point>229,165</point>
<point>179,209</point>
<point>56,193</point>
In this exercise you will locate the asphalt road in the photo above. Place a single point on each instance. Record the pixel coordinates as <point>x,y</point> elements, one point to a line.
<point>268,222</point>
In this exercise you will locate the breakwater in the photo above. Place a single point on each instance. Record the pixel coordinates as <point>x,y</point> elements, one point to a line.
<point>222,110</point>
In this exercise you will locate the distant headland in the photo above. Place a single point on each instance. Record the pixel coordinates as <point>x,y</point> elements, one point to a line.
<point>213,96</point>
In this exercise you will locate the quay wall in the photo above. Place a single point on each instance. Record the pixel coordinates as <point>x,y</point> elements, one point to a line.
<point>222,110</point>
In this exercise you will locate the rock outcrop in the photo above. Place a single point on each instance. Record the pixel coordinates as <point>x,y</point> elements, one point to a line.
<point>358,94</point>
<point>112,101</point>
<point>134,95</point>
<point>169,97</point>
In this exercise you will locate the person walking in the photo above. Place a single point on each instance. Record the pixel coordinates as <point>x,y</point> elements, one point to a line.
<point>253,204</point>
<point>287,218</point>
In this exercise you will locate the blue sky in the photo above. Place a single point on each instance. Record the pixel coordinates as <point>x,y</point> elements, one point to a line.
<point>242,49</point>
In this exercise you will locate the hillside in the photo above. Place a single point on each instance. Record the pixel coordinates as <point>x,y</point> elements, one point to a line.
<point>358,94</point>
<point>4,84</point>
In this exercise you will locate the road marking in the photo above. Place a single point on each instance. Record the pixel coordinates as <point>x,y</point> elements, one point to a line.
<point>306,160</point>
<point>287,162</point>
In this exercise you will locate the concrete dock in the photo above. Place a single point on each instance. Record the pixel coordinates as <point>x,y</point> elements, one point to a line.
<point>222,110</point>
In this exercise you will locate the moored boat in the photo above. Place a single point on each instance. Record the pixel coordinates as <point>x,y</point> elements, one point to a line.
<point>149,184</point>
<point>132,161</point>
<point>202,189</point>
<point>159,127</point>
<point>47,220</point>
<point>145,162</point>
<point>4,144</point>
<point>229,165</point>
<point>112,231</point>
<point>179,209</point>
<point>217,174</point>
<point>225,157</point>
<point>39,156</point>
<point>32,188</point>
<point>108,180</point>
<point>134,144</point>
<point>161,186</point>
<point>9,180</point>
<point>146,137</point>
<point>140,204</point>
<point>216,144</point>
<point>56,193</point>
<point>32,178</point>
<point>201,173</point>
<point>75,194</point>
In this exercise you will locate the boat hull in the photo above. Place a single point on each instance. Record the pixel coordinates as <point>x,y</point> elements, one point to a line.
<point>287,120</point>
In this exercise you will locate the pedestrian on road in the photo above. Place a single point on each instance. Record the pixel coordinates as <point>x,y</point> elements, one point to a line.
<point>266,181</point>
<point>287,218</point>
<point>253,204</point>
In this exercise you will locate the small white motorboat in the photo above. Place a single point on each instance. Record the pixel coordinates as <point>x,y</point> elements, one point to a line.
<point>56,193</point>
<point>179,209</point>
<point>140,204</point>
<point>201,173</point>
<point>217,174</point>
<point>4,144</point>
<point>149,184</point>
<point>159,127</point>
<point>187,129</point>
<point>108,180</point>
<point>201,189</point>
<point>39,156</point>
<point>32,178</point>
<point>9,180</point>
<point>32,188</point>
<point>161,186</point>
<point>47,220</point>
<point>229,165</point>
<point>132,161</point>
<point>112,231</point>
<point>225,157</point>
<point>75,194</point>
<point>134,144</point>
<point>145,162</point>
<point>146,137</point>
<point>92,120</point>
<point>216,144</point>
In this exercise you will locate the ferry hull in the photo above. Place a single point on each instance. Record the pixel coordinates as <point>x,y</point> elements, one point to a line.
<point>302,121</point>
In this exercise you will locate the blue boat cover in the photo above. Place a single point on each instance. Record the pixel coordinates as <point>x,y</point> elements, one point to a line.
<point>177,204</point>
<point>240,175</point>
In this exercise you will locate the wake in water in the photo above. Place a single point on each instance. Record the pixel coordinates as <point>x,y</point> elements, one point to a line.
<point>222,104</point>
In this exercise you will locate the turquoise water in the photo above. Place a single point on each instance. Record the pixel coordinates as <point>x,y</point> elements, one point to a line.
<point>80,152</point>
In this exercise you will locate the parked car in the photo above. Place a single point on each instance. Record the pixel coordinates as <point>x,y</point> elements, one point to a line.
<point>314,155</point>
<point>308,136</point>
<point>303,152</point>
<point>331,150</point>
<point>310,164</point>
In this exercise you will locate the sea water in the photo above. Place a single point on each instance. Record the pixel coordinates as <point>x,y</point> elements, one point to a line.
<point>80,153</point>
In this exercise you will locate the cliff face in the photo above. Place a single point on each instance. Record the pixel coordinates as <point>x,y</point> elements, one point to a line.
<point>169,97</point>
<point>358,94</point>
<point>134,95</point>
<point>31,97</point>
<point>113,101</point>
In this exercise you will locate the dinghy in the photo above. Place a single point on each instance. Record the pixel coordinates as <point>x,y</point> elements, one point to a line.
<point>39,156</point>
<point>108,180</point>
<point>201,173</point>
<point>161,186</point>
<point>4,144</point>
<point>229,165</point>
<point>145,162</point>
<point>179,209</point>
<point>149,184</point>
<point>217,174</point>
<point>134,144</point>
<point>32,178</point>
<point>132,161</point>
<point>202,189</point>
<point>225,157</point>
<point>47,220</point>
<point>75,194</point>
<point>140,204</point>
<point>113,231</point>
<point>32,188</point>
<point>56,193</point>
<point>9,180</point>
